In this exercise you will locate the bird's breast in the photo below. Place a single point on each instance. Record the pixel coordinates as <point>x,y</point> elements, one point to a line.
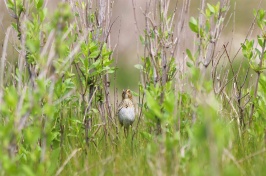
<point>127,114</point>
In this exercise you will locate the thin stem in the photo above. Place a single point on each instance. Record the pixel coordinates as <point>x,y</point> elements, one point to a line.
<point>257,83</point>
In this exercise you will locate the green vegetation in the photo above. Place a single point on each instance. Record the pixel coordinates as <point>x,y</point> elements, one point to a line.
<point>200,112</point>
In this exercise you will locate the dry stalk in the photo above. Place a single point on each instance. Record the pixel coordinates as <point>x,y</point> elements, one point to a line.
<point>3,61</point>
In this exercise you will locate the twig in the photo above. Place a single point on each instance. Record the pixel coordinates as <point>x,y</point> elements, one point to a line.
<point>89,104</point>
<point>229,154</point>
<point>252,155</point>
<point>135,18</point>
<point>3,60</point>
<point>66,161</point>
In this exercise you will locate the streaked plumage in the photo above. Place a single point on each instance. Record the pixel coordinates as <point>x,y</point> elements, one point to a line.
<point>126,110</point>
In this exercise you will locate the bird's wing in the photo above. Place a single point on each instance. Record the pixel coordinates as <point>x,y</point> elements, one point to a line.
<point>120,106</point>
<point>124,104</point>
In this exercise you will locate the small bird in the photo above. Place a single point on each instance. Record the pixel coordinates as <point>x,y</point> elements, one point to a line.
<point>126,111</point>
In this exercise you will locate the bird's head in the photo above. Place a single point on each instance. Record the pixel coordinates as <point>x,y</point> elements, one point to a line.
<point>127,94</point>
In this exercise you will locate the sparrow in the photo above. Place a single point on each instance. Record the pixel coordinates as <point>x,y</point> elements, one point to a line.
<point>126,111</point>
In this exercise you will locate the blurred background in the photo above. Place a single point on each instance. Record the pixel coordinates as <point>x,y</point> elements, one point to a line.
<point>124,35</point>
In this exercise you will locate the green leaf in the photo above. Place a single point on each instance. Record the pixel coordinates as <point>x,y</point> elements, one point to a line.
<point>138,66</point>
<point>93,47</point>
<point>134,93</point>
<point>10,5</point>
<point>207,13</point>
<point>189,64</point>
<point>142,40</point>
<point>94,65</point>
<point>111,71</point>
<point>154,107</point>
<point>193,24</point>
<point>43,13</point>
<point>190,55</point>
<point>14,25</point>
<point>11,97</point>
<point>255,12</point>
<point>211,8</point>
<point>207,26</point>
<point>106,53</point>
<point>261,14</point>
<point>258,52</point>
<point>217,7</point>
<point>95,111</point>
<point>260,40</point>
<point>39,4</point>
<point>94,54</point>
<point>224,9</point>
